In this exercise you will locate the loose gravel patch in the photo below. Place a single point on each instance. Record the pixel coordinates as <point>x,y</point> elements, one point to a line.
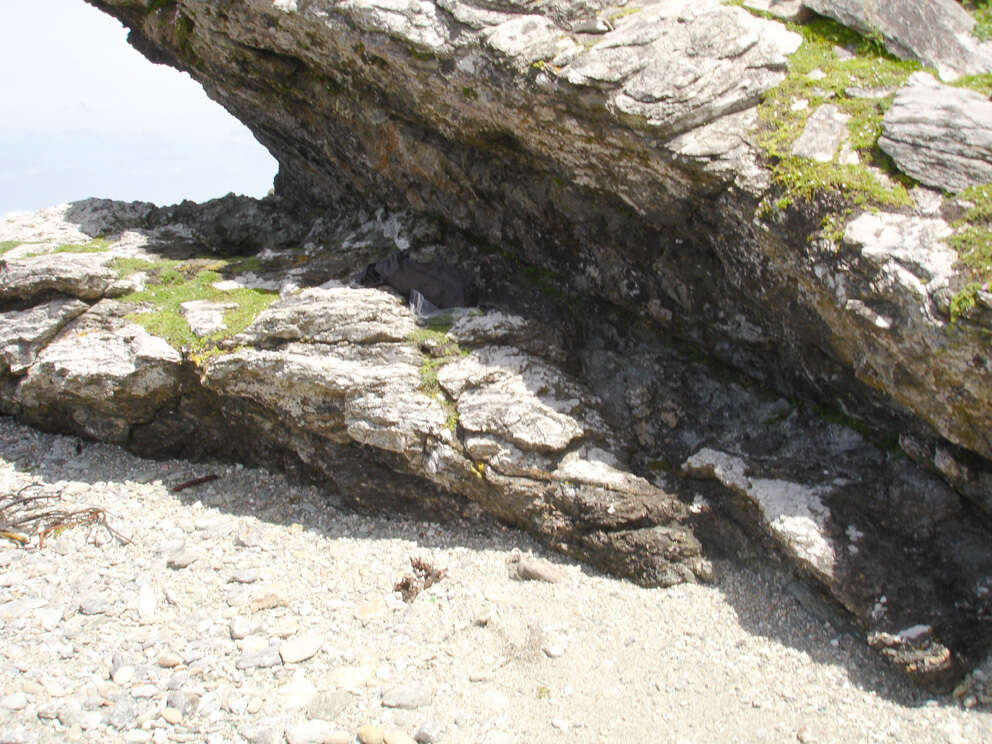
<point>250,608</point>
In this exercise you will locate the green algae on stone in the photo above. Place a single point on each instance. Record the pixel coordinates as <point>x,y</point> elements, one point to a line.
<point>97,245</point>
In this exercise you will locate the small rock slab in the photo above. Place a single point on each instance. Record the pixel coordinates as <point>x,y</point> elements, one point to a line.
<point>792,11</point>
<point>938,134</point>
<point>825,130</point>
<point>204,316</point>
<point>300,649</point>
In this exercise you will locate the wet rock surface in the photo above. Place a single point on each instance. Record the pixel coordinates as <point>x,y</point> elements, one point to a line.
<point>595,434</point>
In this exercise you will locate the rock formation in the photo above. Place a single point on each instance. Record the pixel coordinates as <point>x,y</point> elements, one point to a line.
<point>679,342</point>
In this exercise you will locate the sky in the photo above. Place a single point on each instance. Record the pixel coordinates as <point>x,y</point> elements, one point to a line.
<point>83,114</point>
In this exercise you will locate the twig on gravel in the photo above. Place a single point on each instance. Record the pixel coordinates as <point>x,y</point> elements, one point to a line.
<point>23,516</point>
<point>194,482</point>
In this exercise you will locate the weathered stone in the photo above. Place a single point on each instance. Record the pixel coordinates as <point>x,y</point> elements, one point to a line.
<point>935,32</point>
<point>939,134</point>
<point>787,10</point>
<point>82,275</point>
<point>823,134</point>
<point>205,317</point>
<point>24,333</point>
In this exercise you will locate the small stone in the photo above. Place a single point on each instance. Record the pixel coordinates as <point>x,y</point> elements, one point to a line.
<point>94,606</point>
<point>267,602</point>
<point>146,603</point>
<point>370,610</point>
<point>123,715</point>
<point>429,732</point>
<point>245,576</point>
<point>48,712</point>
<point>297,693</point>
<point>406,697</point>
<point>49,617</point>
<point>285,628</point>
<point>172,715</point>
<point>369,734</point>
<point>182,559</point>
<point>528,568</point>
<point>169,659</point>
<point>137,737</point>
<point>328,706</point>
<point>300,649</point>
<point>144,692</point>
<point>248,537</point>
<point>805,735</point>
<point>185,703</point>
<point>262,732</point>
<point>309,732</point>
<point>14,701</point>
<point>122,674</point>
<point>554,649</point>
<point>397,736</point>
<point>559,723</point>
<point>264,659</point>
<point>241,627</point>
<point>30,687</point>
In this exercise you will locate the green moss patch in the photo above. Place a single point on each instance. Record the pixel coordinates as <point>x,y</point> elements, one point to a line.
<point>97,245</point>
<point>973,242</point>
<point>8,245</point>
<point>171,283</point>
<point>981,10</point>
<point>437,350</point>
<point>871,68</point>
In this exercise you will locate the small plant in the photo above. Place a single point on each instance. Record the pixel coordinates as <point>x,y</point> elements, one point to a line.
<point>973,243</point>
<point>982,13</point>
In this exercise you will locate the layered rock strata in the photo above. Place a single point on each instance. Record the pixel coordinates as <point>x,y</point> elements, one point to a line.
<point>590,430</point>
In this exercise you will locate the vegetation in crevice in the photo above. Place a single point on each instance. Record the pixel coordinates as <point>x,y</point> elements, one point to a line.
<point>171,283</point>
<point>8,245</point>
<point>981,11</point>
<point>973,242</point>
<point>97,245</point>
<point>436,351</point>
<point>784,115</point>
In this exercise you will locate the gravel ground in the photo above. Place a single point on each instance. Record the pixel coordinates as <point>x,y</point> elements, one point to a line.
<point>254,609</point>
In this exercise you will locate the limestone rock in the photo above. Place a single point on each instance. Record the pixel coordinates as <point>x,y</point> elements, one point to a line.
<point>938,134</point>
<point>82,275</point>
<point>103,374</point>
<point>24,333</point>
<point>935,32</point>
<point>825,130</point>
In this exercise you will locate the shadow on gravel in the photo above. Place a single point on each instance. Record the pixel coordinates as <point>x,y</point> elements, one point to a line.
<point>768,602</point>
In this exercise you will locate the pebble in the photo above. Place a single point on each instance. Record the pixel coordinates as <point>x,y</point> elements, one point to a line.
<point>182,559</point>
<point>407,697</point>
<point>15,701</point>
<point>300,649</point>
<point>528,568</point>
<point>369,734</point>
<point>94,606</point>
<point>309,732</point>
<point>397,736</point>
<point>317,645</point>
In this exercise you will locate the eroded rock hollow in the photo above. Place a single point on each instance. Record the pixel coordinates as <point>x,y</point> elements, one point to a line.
<point>679,344</point>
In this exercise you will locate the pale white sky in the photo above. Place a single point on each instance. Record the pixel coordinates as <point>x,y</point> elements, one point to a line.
<point>83,114</point>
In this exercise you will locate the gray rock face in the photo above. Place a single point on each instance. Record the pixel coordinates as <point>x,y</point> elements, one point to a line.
<point>940,135</point>
<point>586,429</point>
<point>24,333</point>
<point>935,32</point>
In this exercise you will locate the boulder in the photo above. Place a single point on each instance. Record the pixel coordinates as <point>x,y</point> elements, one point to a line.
<point>935,32</point>
<point>938,134</point>
<point>24,333</point>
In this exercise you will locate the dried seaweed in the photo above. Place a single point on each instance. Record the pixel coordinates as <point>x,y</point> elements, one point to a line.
<point>424,575</point>
<point>26,515</point>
